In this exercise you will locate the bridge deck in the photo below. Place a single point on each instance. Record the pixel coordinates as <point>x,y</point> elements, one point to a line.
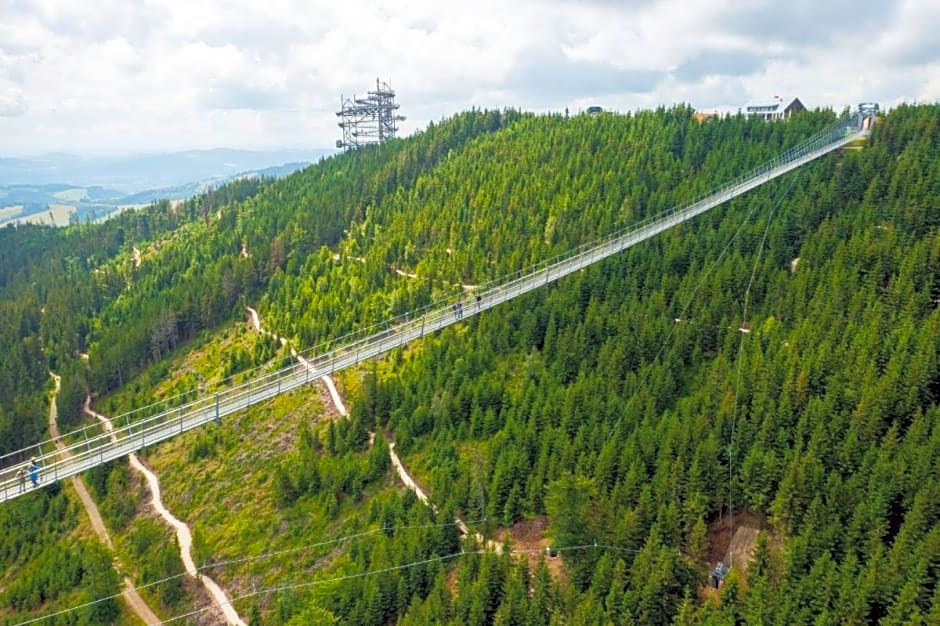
<point>160,422</point>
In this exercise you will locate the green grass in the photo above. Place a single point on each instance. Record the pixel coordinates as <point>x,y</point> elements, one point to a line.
<point>219,479</point>
<point>229,496</point>
<point>207,361</point>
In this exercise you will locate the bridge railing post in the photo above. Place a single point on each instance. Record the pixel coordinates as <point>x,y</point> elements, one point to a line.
<point>363,344</point>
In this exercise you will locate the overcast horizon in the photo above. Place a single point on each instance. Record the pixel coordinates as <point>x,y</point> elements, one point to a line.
<point>298,153</point>
<point>110,77</point>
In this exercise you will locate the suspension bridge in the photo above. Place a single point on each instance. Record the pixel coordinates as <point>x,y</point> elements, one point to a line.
<point>91,446</point>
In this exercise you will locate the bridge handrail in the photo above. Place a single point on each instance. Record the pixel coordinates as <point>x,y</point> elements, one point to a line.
<point>196,405</point>
<point>363,335</point>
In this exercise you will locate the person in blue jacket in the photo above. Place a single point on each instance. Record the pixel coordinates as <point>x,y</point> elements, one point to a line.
<point>34,471</point>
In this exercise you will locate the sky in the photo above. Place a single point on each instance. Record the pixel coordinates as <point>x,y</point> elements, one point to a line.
<point>105,77</point>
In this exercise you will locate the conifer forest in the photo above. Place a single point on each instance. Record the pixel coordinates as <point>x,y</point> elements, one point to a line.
<point>759,385</point>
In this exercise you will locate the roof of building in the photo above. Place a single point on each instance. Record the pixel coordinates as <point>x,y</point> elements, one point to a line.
<point>781,104</point>
<point>763,108</point>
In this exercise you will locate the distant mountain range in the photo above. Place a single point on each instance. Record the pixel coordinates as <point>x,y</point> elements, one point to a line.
<point>57,188</point>
<point>139,172</point>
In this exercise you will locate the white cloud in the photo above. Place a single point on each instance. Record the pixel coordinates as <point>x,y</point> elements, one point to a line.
<point>12,102</point>
<point>117,76</point>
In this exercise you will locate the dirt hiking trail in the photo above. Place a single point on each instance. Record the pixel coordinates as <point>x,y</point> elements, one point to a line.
<point>129,594</point>
<point>183,534</point>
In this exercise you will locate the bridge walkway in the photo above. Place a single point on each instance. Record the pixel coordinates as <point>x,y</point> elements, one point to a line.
<point>86,448</point>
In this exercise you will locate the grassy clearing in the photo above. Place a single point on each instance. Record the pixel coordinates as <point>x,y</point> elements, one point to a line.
<point>219,480</point>
<point>212,358</point>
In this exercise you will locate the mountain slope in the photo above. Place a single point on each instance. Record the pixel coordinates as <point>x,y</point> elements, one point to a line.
<point>622,405</point>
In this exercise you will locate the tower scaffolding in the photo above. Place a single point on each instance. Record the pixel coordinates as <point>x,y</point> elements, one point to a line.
<point>370,120</point>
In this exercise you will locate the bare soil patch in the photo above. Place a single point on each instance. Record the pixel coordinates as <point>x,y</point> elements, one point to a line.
<point>528,539</point>
<point>733,540</point>
<point>330,410</point>
<point>734,548</point>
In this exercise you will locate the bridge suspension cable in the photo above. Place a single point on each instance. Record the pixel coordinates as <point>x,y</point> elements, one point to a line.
<point>87,448</point>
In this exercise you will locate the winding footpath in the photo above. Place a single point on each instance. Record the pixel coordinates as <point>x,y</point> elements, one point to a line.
<point>130,594</point>
<point>327,379</point>
<point>183,534</point>
<point>400,468</point>
<point>464,286</point>
<point>411,484</point>
<point>420,493</point>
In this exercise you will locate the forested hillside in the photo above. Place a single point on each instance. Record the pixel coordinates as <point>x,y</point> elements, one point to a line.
<point>53,285</point>
<point>623,408</point>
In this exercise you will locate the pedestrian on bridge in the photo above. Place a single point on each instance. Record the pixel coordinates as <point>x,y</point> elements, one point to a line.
<point>34,471</point>
<point>21,474</point>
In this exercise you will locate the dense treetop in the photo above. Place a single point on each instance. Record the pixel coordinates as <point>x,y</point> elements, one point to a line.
<point>623,404</point>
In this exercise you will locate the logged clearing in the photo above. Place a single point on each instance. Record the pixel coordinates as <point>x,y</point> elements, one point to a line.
<point>732,540</point>
<point>528,537</point>
<point>735,548</point>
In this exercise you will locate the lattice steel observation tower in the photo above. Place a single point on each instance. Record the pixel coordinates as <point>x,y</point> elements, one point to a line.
<point>369,120</point>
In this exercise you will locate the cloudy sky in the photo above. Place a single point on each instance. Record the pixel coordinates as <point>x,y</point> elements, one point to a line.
<point>123,76</point>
